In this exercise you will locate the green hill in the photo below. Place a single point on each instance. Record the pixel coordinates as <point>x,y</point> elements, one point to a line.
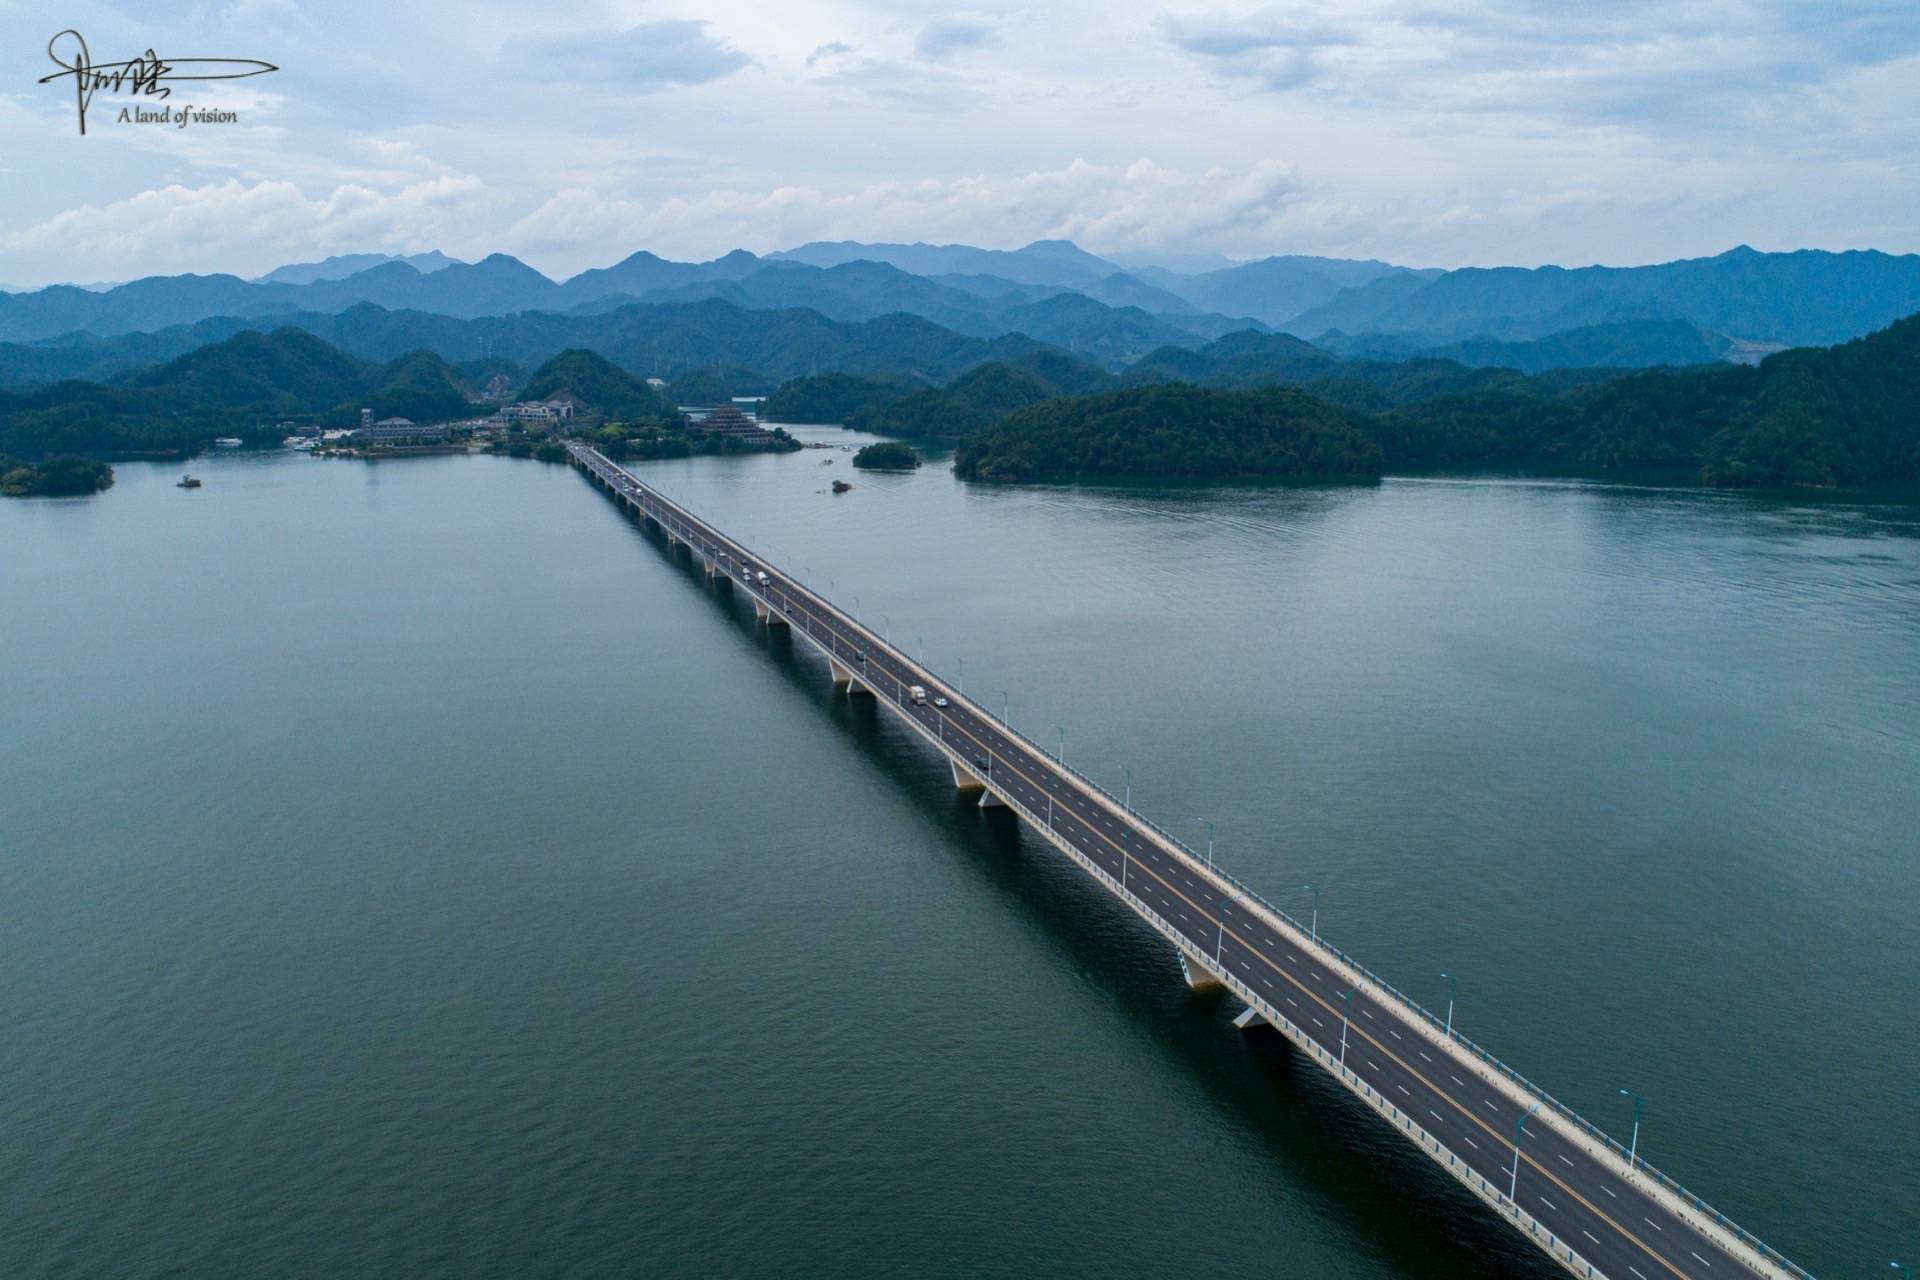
<point>594,385</point>
<point>1174,430</point>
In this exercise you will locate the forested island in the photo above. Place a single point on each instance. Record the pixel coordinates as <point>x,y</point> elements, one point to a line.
<point>53,477</point>
<point>888,455</point>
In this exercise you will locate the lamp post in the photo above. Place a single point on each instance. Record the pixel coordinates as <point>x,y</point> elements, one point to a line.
<point>923,647</point>
<point>1006,707</point>
<point>1125,844</point>
<point>1127,803</point>
<point>961,688</point>
<point>1453,993</point>
<point>1346,1015</point>
<point>1633,1147</point>
<point>1220,943</point>
<point>1519,1129</point>
<point>886,628</point>
<point>1209,826</point>
<point>1062,757</point>
<point>1315,928</point>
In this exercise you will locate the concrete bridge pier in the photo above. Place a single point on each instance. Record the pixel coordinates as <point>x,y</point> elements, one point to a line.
<point>844,678</point>
<point>1250,1017</point>
<point>1198,976</point>
<point>760,611</point>
<point>965,779</point>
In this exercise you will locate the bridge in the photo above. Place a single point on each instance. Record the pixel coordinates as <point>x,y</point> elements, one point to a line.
<point>1591,1205</point>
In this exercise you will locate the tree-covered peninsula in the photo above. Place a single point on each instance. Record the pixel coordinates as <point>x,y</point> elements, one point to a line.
<point>1178,431</point>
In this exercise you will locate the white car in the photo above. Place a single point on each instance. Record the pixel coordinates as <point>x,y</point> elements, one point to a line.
<point>939,702</point>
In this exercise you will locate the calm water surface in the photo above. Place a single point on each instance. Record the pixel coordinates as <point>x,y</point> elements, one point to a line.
<point>413,870</point>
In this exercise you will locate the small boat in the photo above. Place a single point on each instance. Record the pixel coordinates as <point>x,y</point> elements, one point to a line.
<point>839,486</point>
<point>188,482</point>
<point>226,442</point>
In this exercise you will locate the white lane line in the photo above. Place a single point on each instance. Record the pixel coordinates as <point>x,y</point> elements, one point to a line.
<point>1609,1190</point>
<point>1402,1088</point>
<point>1550,1204</point>
<point>1318,1023</point>
<point>1423,1053</point>
<point>1703,1261</point>
<point>1588,1234</point>
<point>1650,1222</point>
<point>1457,1080</point>
<point>1436,1115</point>
<point>1565,1161</point>
<point>1293,957</point>
<point>1395,1034</point>
<point>1373,1064</point>
<point>1368,1012</point>
<point>1635,1271</point>
<point>1267,981</point>
<point>1490,1106</point>
<point>1470,1142</point>
<point>1293,1002</point>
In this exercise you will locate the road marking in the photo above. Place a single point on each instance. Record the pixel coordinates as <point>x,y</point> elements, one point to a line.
<point>1267,981</point>
<point>1588,1234</point>
<point>1390,1031</point>
<point>1318,1023</point>
<point>1366,1011</point>
<point>1703,1260</point>
<point>1373,1064</point>
<point>1293,957</point>
<point>1402,1088</point>
<point>1470,1142</point>
<point>1293,1002</point>
<point>1566,1162</point>
<point>1423,1053</point>
<point>1457,1080</point>
<point>1635,1270</point>
<point>1650,1222</point>
<point>1490,1106</point>
<point>1609,1190</point>
<point>1436,1115</point>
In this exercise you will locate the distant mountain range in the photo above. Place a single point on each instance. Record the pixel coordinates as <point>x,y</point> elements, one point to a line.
<point>1736,306</point>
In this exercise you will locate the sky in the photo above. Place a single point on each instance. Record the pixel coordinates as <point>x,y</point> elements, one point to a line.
<point>1423,132</point>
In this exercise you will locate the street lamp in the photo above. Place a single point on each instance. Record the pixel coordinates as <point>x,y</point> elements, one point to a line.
<point>886,628</point>
<point>923,647</point>
<point>1453,993</point>
<point>1315,930</point>
<point>1209,826</point>
<point>1220,943</point>
<point>1127,803</point>
<point>962,687</point>
<point>1346,1014</point>
<point>1006,707</point>
<point>1125,844</point>
<point>1633,1147</point>
<point>1519,1128</point>
<point>1063,743</point>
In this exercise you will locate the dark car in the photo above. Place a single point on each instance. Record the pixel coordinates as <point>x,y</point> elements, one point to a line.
<point>859,655</point>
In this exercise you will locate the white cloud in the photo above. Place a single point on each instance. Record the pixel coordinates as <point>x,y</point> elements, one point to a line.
<point>243,228</point>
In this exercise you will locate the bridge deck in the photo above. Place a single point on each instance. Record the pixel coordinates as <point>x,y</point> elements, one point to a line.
<point>1575,1196</point>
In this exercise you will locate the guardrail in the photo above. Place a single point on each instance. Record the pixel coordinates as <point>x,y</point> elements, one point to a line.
<point>1567,1114</point>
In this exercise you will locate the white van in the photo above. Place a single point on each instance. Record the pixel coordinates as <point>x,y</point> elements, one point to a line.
<point>918,693</point>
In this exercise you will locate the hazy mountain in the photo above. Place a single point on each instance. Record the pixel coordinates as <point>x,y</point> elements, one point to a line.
<point>642,273</point>
<point>1625,344</point>
<point>1059,262</point>
<point>1809,297</point>
<point>342,265</point>
<point>1276,289</point>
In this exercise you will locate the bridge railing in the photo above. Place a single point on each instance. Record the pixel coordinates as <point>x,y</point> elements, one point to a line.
<point>1405,1001</point>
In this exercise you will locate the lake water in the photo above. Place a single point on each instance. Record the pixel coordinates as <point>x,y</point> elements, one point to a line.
<point>411,869</point>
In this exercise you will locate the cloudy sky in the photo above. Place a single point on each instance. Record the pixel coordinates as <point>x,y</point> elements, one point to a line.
<point>1426,132</point>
